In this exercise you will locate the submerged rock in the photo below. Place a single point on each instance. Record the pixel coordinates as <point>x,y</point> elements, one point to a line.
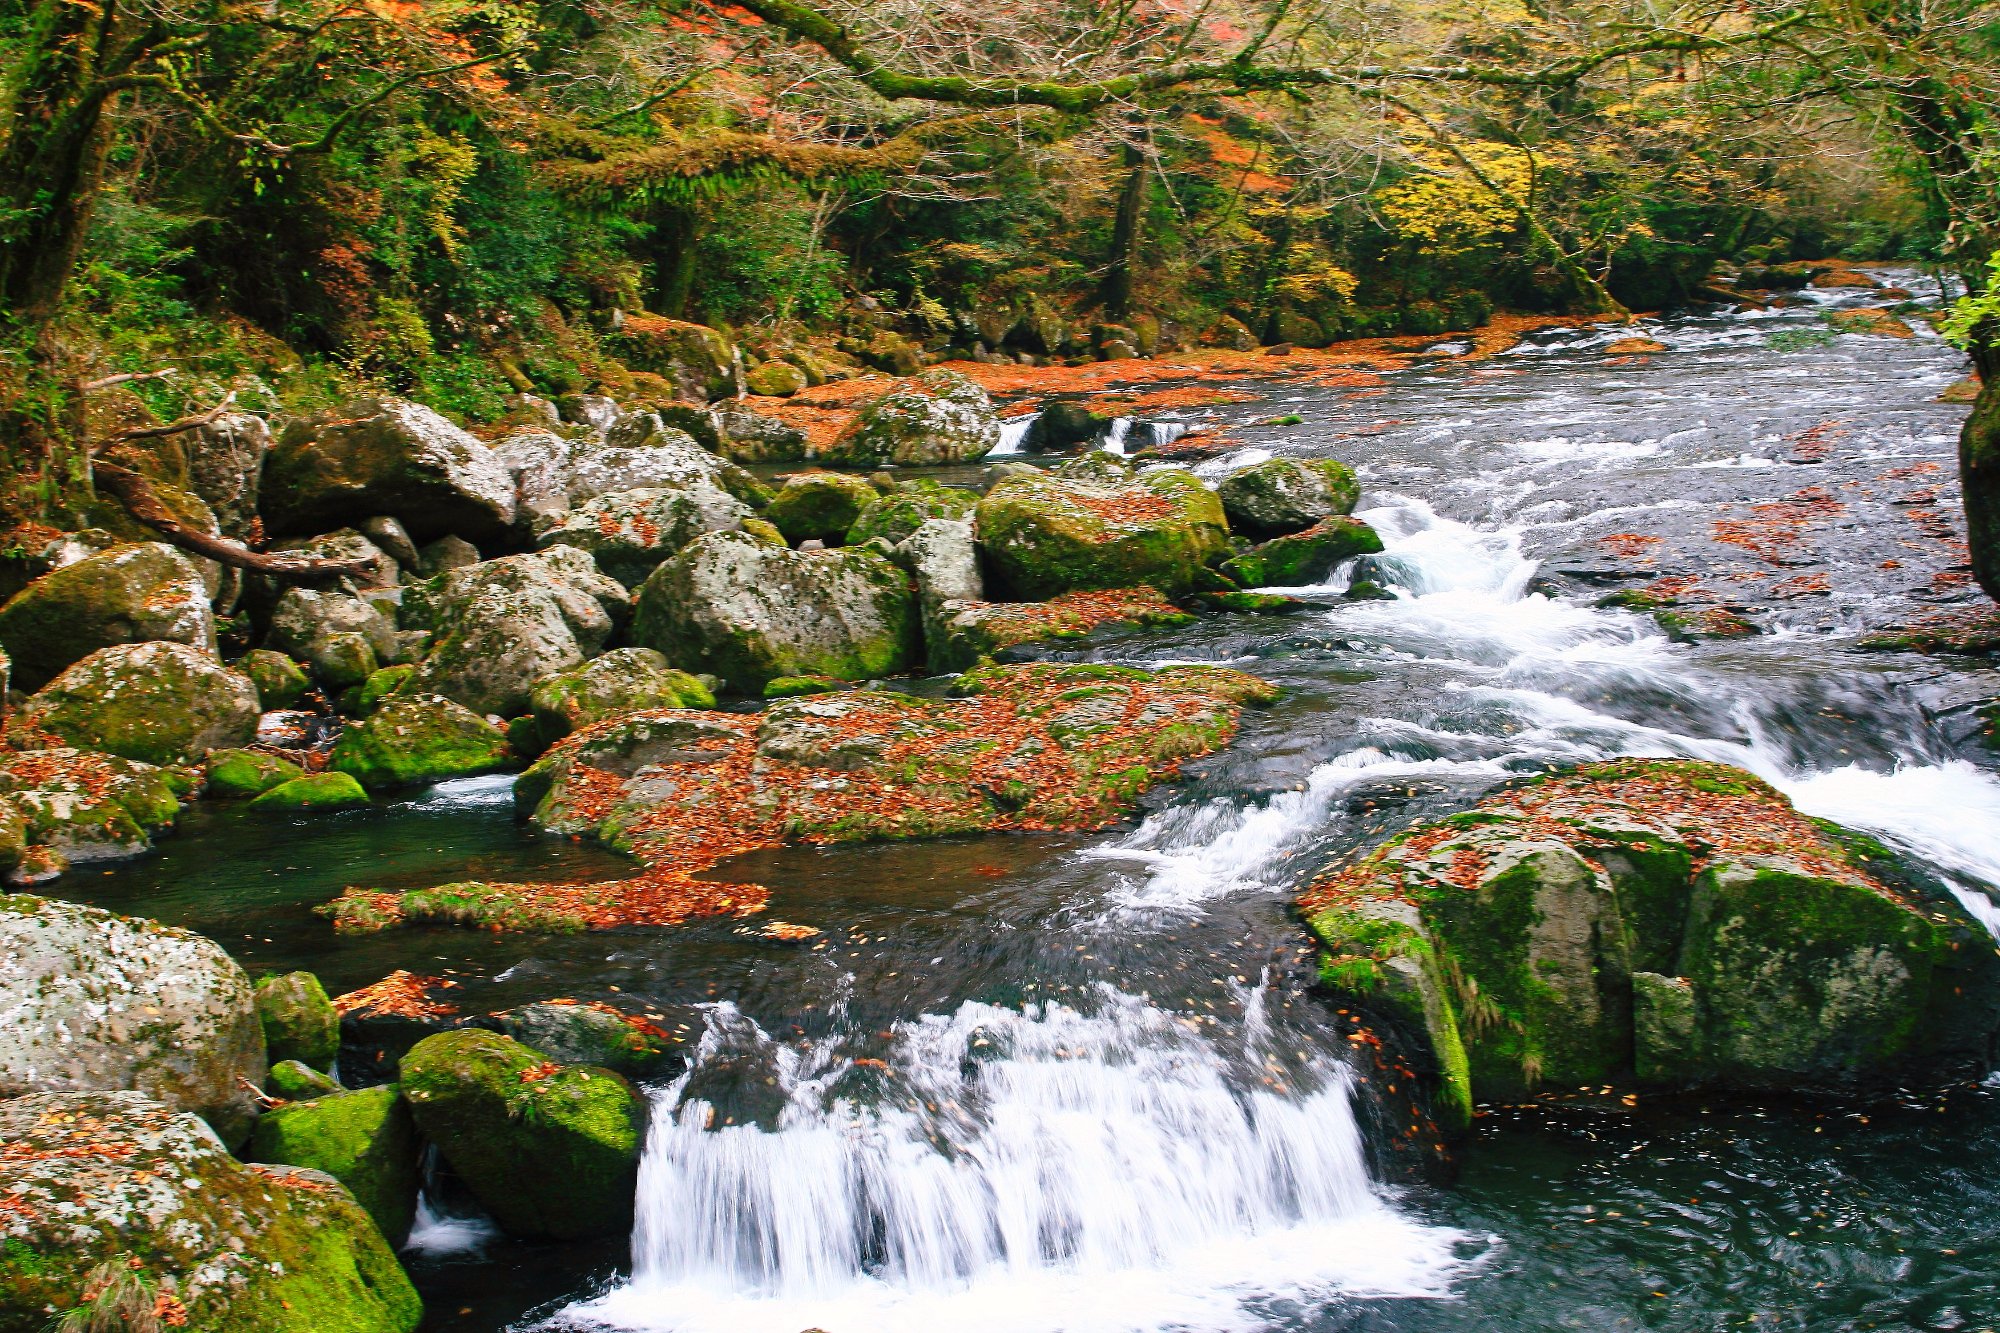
<point>315,791</point>
<point>1286,495</point>
<point>386,456</point>
<point>939,417</point>
<point>59,807</point>
<point>1044,536</point>
<point>1670,922</point>
<point>414,739</point>
<point>103,1003</point>
<point>120,1200</point>
<point>551,1151</point>
<point>159,703</point>
<point>129,594</point>
<point>365,1139</point>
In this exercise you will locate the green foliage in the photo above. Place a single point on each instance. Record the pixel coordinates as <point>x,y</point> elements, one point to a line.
<point>1976,316</point>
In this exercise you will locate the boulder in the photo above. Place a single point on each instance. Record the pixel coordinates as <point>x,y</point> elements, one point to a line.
<point>104,1003</point>
<point>444,555</point>
<point>128,1214</point>
<point>896,516</point>
<point>1304,558</point>
<point>315,791</point>
<point>621,681</point>
<point>413,739</point>
<point>246,773</point>
<point>59,807</point>
<point>159,703</point>
<point>747,436</point>
<point>943,560</point>
<point>819,506</point>
<point>700,361</point>
<point>1285,495</point>
<point>1667,922</point>
<point>281,682</point>
<point>366,1140</point>
<point>501,625</point>
<point>1043,536</point>
<point>391,538</point>
<point>226,467</point>
<point>775,379</point>
<point>129,594</point>
<point>299,1021</point>
<point>939,417</point>
<point>960,634</point>
<point>1066,423</point>
<point>639,453</point>
<point>630,533</point>
<point>296,1081</point>
<point>551,1151</point>
<point>746,612</point>
<point>342,637</point>
<point>587,1034</point>
<point>385,456</point>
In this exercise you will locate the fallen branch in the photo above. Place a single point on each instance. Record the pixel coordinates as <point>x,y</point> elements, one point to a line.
<point>176,427</point>
<point>133,492</point>
<point>128,377</point>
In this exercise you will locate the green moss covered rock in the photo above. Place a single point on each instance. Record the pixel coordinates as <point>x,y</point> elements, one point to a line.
<point>315,791</point>
<point>158,1205</point>
<point>72,806</point>
<point>621,681</point>
<point>775,379</point>
<point>1304,558</point>
<point>247,773</point>
<point>366,1140</point>
<point>1285,495</point>
<point>819,506</point>
<point>384,683</point>
<point>1044,536</point>
<point>299,1020</point>
<point>551,1151</point>
<point>588,1034</point>
<point>415,739</point>
<point>296,1081</point>
<point>158,702</point>
<point>129,594</point>
<point>938,417</point>
<point>895,517</point>
<point>1666,921</point>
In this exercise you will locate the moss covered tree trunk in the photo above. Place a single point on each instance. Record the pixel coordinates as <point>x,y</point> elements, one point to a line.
<point>1979,467</point>
<point>1127,233</point>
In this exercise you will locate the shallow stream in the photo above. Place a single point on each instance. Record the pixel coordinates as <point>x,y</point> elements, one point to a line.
<point>1079,1083</point>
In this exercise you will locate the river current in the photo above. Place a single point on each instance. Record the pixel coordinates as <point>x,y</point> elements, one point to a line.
<point>1081,1084</point>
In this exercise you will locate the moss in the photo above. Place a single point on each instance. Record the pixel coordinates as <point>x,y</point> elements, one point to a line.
<point>317,791</point>
<point>894,517</point>
<point>384,683</point>
<point>299,1021</point>
<point>366,1140</point>
<point>1042,537</point>
<point>293,1081</point>
<point>246,773</point>
<point>417,739</point>
<point>621,681</point>
<point>1304,558</point>
<point>819,506</point>
<point>280,681</point>
<point>791,687</point>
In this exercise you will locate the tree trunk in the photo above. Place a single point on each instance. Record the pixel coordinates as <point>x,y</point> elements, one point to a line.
<point>1127,232</point>
<point>674,270</point>
<point>1979,468</point>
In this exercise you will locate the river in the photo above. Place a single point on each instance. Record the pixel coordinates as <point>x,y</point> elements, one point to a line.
<point>1034,1083</point>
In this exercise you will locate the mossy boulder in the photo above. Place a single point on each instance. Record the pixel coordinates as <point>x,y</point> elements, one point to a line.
<point>296,1081</point>
<point>793,687</point>
<point>819,506</point>
<point>747,436</point>
<point>1667,922</point>
<point>413,739</point>
<point>745,612</point>
<point>103,1003</point>
<point>588,1034</point>
<point>159,703</point>
<point>938,417</point>
<point>702,363</point>
<point>314,792</point>
<point>896,517</point>
<point>961,634</point>
<point>621,681</point>
<point>775,379</point>
<point>1285,495</point>
<point>341,637</point>
<point>246,773</point>
<point>365,1139</point>
<point>499,626</point>
<point>630,533</point>
<point>639,452</point>
<point>64,806</point>
<point>1304,558</point>
<point>551,1151</point>
<point>129,594</point>
<point>1044,536</point>
<point>155,1210</point>
<point>385,456</point>
<point>280,681</point>
<point>383,685</point>
<point>299,1020</point>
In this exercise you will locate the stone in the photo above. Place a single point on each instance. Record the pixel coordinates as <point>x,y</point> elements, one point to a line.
<point>392,538</point>
<point>775,379</point>
<point>1282,496</point>
<point>630,533</point>
<point>701,362</point>
<point>795,687</point>
<point>134,593</point>
<point>552,1152</point>
<point>959,635</point>
<point>1066,423</point>
<point>226,468</point>
<point>939,417</point>
<point>315,791</point>
<point>281,682</point>
<point>1231,333</point>
<point>71,806</point>
<point>414,739</point>
<point>621,681</point>
<point>943,560</point>
<point>896,514</point>
<point>1044,536</point>
<point>588,1034</point>
<point>247,773</point>
<point>386,456</point>
<point>749,436</point>
<point>639,453</point>
<point>747,612</point>
<point>1304,558</point>
<point>104,1003</point>
<point>296,1081</point>
<point>341,637</point>
<point>157,702</point>
<point>819,506</point>
<point>446,554</point>
<point>299,1021</point>
<point>365,1139</point>
<point>158,1221</point>
<point>384,684</point>
<point>501,625</point>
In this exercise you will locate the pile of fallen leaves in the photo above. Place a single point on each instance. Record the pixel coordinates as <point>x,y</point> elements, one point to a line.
<point>401,994</point>
<point>1132,508</point>
<point>1073,613</point>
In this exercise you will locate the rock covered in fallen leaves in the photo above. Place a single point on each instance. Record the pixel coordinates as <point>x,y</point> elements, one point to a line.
<point>746,612</point>
<point>158,703</point>
<point>128,594</point>
<point>621,681</point>
<point>552,1151</point>
<point>1673,922</point>
<point>1043,536</point>
<point>939,416</point>
<point>385,456</point>
<point>117,1201</point>
<point>571,1032</point>
<point>1036,747</point>
<point>414,739</point>
<point>961,634</point>
<point>365,1139</point>
<point>104,1003</point>
<point>1285,495</point>
<point>62,807</point>
<point>631,532</point>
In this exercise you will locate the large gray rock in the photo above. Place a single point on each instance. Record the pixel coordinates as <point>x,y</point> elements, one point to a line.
<point>160,703</point>
<point>128,594</point>
<point>1042,536</point>
<point>632,532</point>
<point>123,1202</point>
<point>943,558</point>
<point>319,626</point>
<point>1281,496</point>
<point>939,417</point>
<point>752,437</point>
<point>557,473</point>
<point>94,1002</point>
<point>62,806</point>
<point>226,468</point>
<point>748,612</point>
<point>386,456</point>
<point>499,626</point>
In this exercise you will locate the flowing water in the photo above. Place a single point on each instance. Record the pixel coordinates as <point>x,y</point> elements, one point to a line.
<point>1082,1083</point>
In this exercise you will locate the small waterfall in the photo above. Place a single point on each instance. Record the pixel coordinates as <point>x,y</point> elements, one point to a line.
<point>1014,435</point>
<point>1114,438</point>
<point>1157,434</point>
<point>1052,1168</point>
<point>440,1231</point>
